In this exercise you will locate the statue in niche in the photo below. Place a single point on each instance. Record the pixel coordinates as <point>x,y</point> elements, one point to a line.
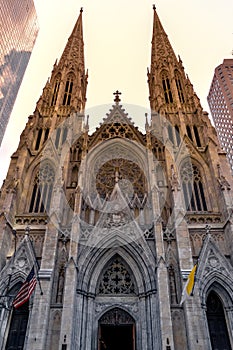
<point>172,285</point>
<point>60,285</point>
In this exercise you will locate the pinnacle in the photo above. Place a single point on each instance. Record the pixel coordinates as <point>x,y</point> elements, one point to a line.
<point>161,46</point>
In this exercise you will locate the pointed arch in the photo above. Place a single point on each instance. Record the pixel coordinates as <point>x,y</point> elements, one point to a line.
<point>116,278</point>
<point>193,188</point>
<point>68,90</point>
<point>42,189</point>
<point>166,84</point>
<point>18,328</point>
<point>177,132</point>
<point>216,319</point>
<point>189,132</point>
<point>179,86</point>
<point>197,137</point>
<point>56,89</point>
<point>94,261</point>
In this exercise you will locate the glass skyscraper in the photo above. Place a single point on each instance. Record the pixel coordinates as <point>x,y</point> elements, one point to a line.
<point>18,32</point>
<point>220,99</point>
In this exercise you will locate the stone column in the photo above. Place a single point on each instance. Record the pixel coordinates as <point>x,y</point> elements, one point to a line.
<point>38,327</point>
<point>70,294</point>
<point>162,275</point>
<point>195,324</point>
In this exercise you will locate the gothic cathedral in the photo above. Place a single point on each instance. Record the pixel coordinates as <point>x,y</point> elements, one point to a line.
<point>114,221</point>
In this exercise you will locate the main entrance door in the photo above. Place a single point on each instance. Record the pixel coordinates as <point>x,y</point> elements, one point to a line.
<point>116,331</point>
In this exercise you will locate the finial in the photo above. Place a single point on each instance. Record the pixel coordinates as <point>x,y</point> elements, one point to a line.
<point>207,229</point>
<point>154,7</point>
<point>81,9</point>
<point>27,231</point>
<point>117,98</point>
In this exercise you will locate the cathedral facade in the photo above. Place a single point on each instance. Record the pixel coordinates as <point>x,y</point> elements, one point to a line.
<point>113,221</point>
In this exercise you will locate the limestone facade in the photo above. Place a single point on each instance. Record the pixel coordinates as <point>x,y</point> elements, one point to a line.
<point>117,219</point>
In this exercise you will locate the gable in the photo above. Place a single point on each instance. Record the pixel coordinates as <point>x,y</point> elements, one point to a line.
<point>116,124</point>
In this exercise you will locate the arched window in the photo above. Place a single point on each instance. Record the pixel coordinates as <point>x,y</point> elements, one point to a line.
<point>167,88</point>
<point>61,135</point>
<point>177,130</point>
<point>46,135</point>
<point>39,134</point>
<point>68,92</point>
<point>42,190</point>
<point>179,87</point>
<point>219,336</point>
<point>55,91</point>
<point>198,142</point>
<point>189,132</point>
<point>117,278</point>
<point>57,140</point>
<point>193,190</point>
<point>170,133</point>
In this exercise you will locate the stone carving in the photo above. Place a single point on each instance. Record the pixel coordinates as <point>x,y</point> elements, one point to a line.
<point>175,184</point>
<point>223,183</point>
<point>117,279</point>
<point>116,316</point>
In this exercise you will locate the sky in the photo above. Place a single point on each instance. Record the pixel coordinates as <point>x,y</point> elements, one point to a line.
<point>117,37</point>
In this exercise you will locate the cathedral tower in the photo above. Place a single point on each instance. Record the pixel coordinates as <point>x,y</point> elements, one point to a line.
<point>114,221</point>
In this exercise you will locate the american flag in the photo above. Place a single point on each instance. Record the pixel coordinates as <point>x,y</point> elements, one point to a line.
<point>26,290</point>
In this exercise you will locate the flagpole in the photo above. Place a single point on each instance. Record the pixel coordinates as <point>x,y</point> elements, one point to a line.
<point>27,231</point>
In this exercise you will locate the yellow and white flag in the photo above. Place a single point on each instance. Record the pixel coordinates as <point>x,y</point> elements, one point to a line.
<point>189,285</point>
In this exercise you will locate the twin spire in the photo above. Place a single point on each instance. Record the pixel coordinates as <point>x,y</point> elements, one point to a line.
<point>70,79</point>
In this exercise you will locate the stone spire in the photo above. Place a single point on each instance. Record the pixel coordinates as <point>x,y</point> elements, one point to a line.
<point>68,82</point>
<point>161,46</point>
<point>169,87</point>
<point>73,53</point>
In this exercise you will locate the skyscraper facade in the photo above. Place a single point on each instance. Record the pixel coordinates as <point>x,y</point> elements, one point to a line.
<point>19,29</point>
<point>114,221</point>
<point>220,99</point>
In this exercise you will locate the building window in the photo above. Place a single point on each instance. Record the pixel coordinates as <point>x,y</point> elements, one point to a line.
<point>61,135</point>
<point>218,332</point>
<point>170,133</point>
<point>42,134</point>
<point>179,87</point>
<point>167,88</point>
<point>68,92</point>
<point>177,131</point>
<point>42,190</point>
<point>39,134</point>
<point>189,132</point>
<point>55,92</point>
<point>193,190</point>
<point>18,324</point>
<point>117,278</point>
<point>196,133</point>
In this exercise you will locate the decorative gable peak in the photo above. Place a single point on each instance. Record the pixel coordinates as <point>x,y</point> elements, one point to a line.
<point>117,123</point>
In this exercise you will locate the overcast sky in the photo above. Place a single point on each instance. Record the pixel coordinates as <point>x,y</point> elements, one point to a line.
<point>117,36</point>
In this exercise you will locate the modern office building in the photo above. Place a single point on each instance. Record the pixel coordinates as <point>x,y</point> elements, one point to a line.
<point>114,221</point>
<point>220,99</point>
<point>19,29</point>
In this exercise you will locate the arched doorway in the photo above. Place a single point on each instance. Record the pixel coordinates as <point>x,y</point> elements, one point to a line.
<point>116,331</point>
<point>217,323</point>
<point>18,328</point>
